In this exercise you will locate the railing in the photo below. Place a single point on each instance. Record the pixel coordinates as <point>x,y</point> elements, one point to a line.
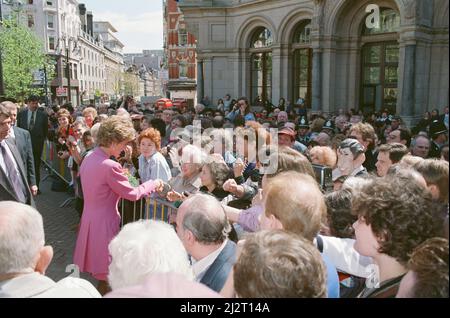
<point>54,163</point>
<point>147,209</point>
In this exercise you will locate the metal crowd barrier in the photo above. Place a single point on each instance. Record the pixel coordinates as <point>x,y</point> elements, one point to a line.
<point>147,209</point>
<point>56,165</point>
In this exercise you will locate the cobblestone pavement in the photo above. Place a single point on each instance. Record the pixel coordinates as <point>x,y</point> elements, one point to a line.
<point>60,224</point>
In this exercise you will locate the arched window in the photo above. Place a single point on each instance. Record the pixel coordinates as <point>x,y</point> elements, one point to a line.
<point>261,66</point>
<point>302,63</point>
<point>380,57</point>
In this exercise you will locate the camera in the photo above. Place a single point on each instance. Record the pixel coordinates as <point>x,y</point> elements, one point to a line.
<point>324,176</point>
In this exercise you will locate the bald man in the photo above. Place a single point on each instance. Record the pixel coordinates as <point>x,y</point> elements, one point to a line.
<point>203,228</point>
<point>24,258</point>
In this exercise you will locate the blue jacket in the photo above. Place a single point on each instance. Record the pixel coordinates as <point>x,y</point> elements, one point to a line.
<point>217,274</point>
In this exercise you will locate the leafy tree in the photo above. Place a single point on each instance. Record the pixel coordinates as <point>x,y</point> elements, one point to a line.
<point>22,54</point>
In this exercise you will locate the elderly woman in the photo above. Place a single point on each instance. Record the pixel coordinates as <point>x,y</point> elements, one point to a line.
<point>104,183</point>
<point>90,115</point>
<point>213,176</point>
<point>189,179</point>
<point>324,156</point>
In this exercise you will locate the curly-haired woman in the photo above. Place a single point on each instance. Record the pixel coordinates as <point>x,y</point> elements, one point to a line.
<point>213,176</point>
<point>394,217</point>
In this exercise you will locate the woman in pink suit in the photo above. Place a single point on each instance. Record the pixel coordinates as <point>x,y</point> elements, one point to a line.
<point>104,183</point>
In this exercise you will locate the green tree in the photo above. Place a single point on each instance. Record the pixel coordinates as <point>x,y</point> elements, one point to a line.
<point>22,54</point>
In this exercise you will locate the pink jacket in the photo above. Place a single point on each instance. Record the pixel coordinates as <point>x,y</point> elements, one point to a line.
<point>103,185</point>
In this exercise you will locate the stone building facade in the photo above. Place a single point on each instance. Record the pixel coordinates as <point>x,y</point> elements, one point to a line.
<point>332,53</point>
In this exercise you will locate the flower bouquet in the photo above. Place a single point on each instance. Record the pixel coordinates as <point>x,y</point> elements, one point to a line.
<point>131,179</point>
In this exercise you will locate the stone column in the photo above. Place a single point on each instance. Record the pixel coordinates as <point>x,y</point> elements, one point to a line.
<point>207,78</point>
<point>276,76</point>
<point>316,80</point>
<point>407,107</point>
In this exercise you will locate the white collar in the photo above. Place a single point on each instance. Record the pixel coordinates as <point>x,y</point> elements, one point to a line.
<point>357,170</point>
<point>200,267</point>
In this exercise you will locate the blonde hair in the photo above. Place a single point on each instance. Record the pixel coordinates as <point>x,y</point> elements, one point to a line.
<point>90,110</point>
<point>326,156</point>
<point>297,202</point>
<point>115,129</point>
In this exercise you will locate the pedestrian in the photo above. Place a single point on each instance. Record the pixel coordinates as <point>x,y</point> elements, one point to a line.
<point>36,122</point>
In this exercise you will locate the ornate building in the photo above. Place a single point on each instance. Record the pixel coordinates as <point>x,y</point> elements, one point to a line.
<point>180,50</point>
<point>365,54</point>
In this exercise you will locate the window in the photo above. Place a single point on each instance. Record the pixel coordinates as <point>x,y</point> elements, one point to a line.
<point>51,43</point>
<point>379,76</point>
<point>51,21</point>
<point>182,37</point>
<point>261,77</point>
<point>261,66</point>
<point>50,3</point>
<point>303,33</point>
<point>302,63</point>
<point>30,20</point>
<point>389,22</point>
<point>183,68</point>
<point>262,39</point>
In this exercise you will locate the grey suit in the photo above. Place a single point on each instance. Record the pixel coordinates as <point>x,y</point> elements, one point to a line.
<point>7,192</point>
<point>23,143</point>
<point>38,136</point>
<point>217,274</point>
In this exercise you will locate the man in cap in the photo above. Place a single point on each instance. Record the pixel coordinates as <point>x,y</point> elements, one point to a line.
<point>303,131</point>
<point>438,133</point>
<point>329,128</point>
<point>286,137</point>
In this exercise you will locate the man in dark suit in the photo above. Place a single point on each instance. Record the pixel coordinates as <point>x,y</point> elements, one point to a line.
<point>13,179</point>
<point>22,140</point>
<point>203,227</point>
<point>36,122</point>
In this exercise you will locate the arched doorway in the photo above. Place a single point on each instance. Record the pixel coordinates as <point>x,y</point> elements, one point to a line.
<point>261,66</point>
<point>302,63</point>
<point>379,63</point>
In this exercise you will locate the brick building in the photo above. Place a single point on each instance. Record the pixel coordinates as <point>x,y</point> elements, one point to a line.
<point>180,53</point>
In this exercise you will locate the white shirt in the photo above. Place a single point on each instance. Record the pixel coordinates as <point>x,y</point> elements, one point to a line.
<point>2,161</point>
<point>342,254</point>
<point>155,167</point>
<point>200,267</point>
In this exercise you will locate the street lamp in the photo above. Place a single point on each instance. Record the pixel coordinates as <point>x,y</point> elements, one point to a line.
<point>66,40</point>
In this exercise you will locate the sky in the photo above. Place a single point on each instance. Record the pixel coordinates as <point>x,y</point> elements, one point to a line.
<point>139,22</point>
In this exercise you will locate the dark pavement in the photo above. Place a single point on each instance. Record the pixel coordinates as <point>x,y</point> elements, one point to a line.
<point>60,224</point>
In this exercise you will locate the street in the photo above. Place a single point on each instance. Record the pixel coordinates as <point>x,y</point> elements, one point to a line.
<point>60,228</point>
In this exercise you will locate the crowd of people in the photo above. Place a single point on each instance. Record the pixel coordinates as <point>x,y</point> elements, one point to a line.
<point>253,218</point>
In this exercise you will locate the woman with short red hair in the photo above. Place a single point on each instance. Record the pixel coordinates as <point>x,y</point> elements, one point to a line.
<point>152,164</point>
